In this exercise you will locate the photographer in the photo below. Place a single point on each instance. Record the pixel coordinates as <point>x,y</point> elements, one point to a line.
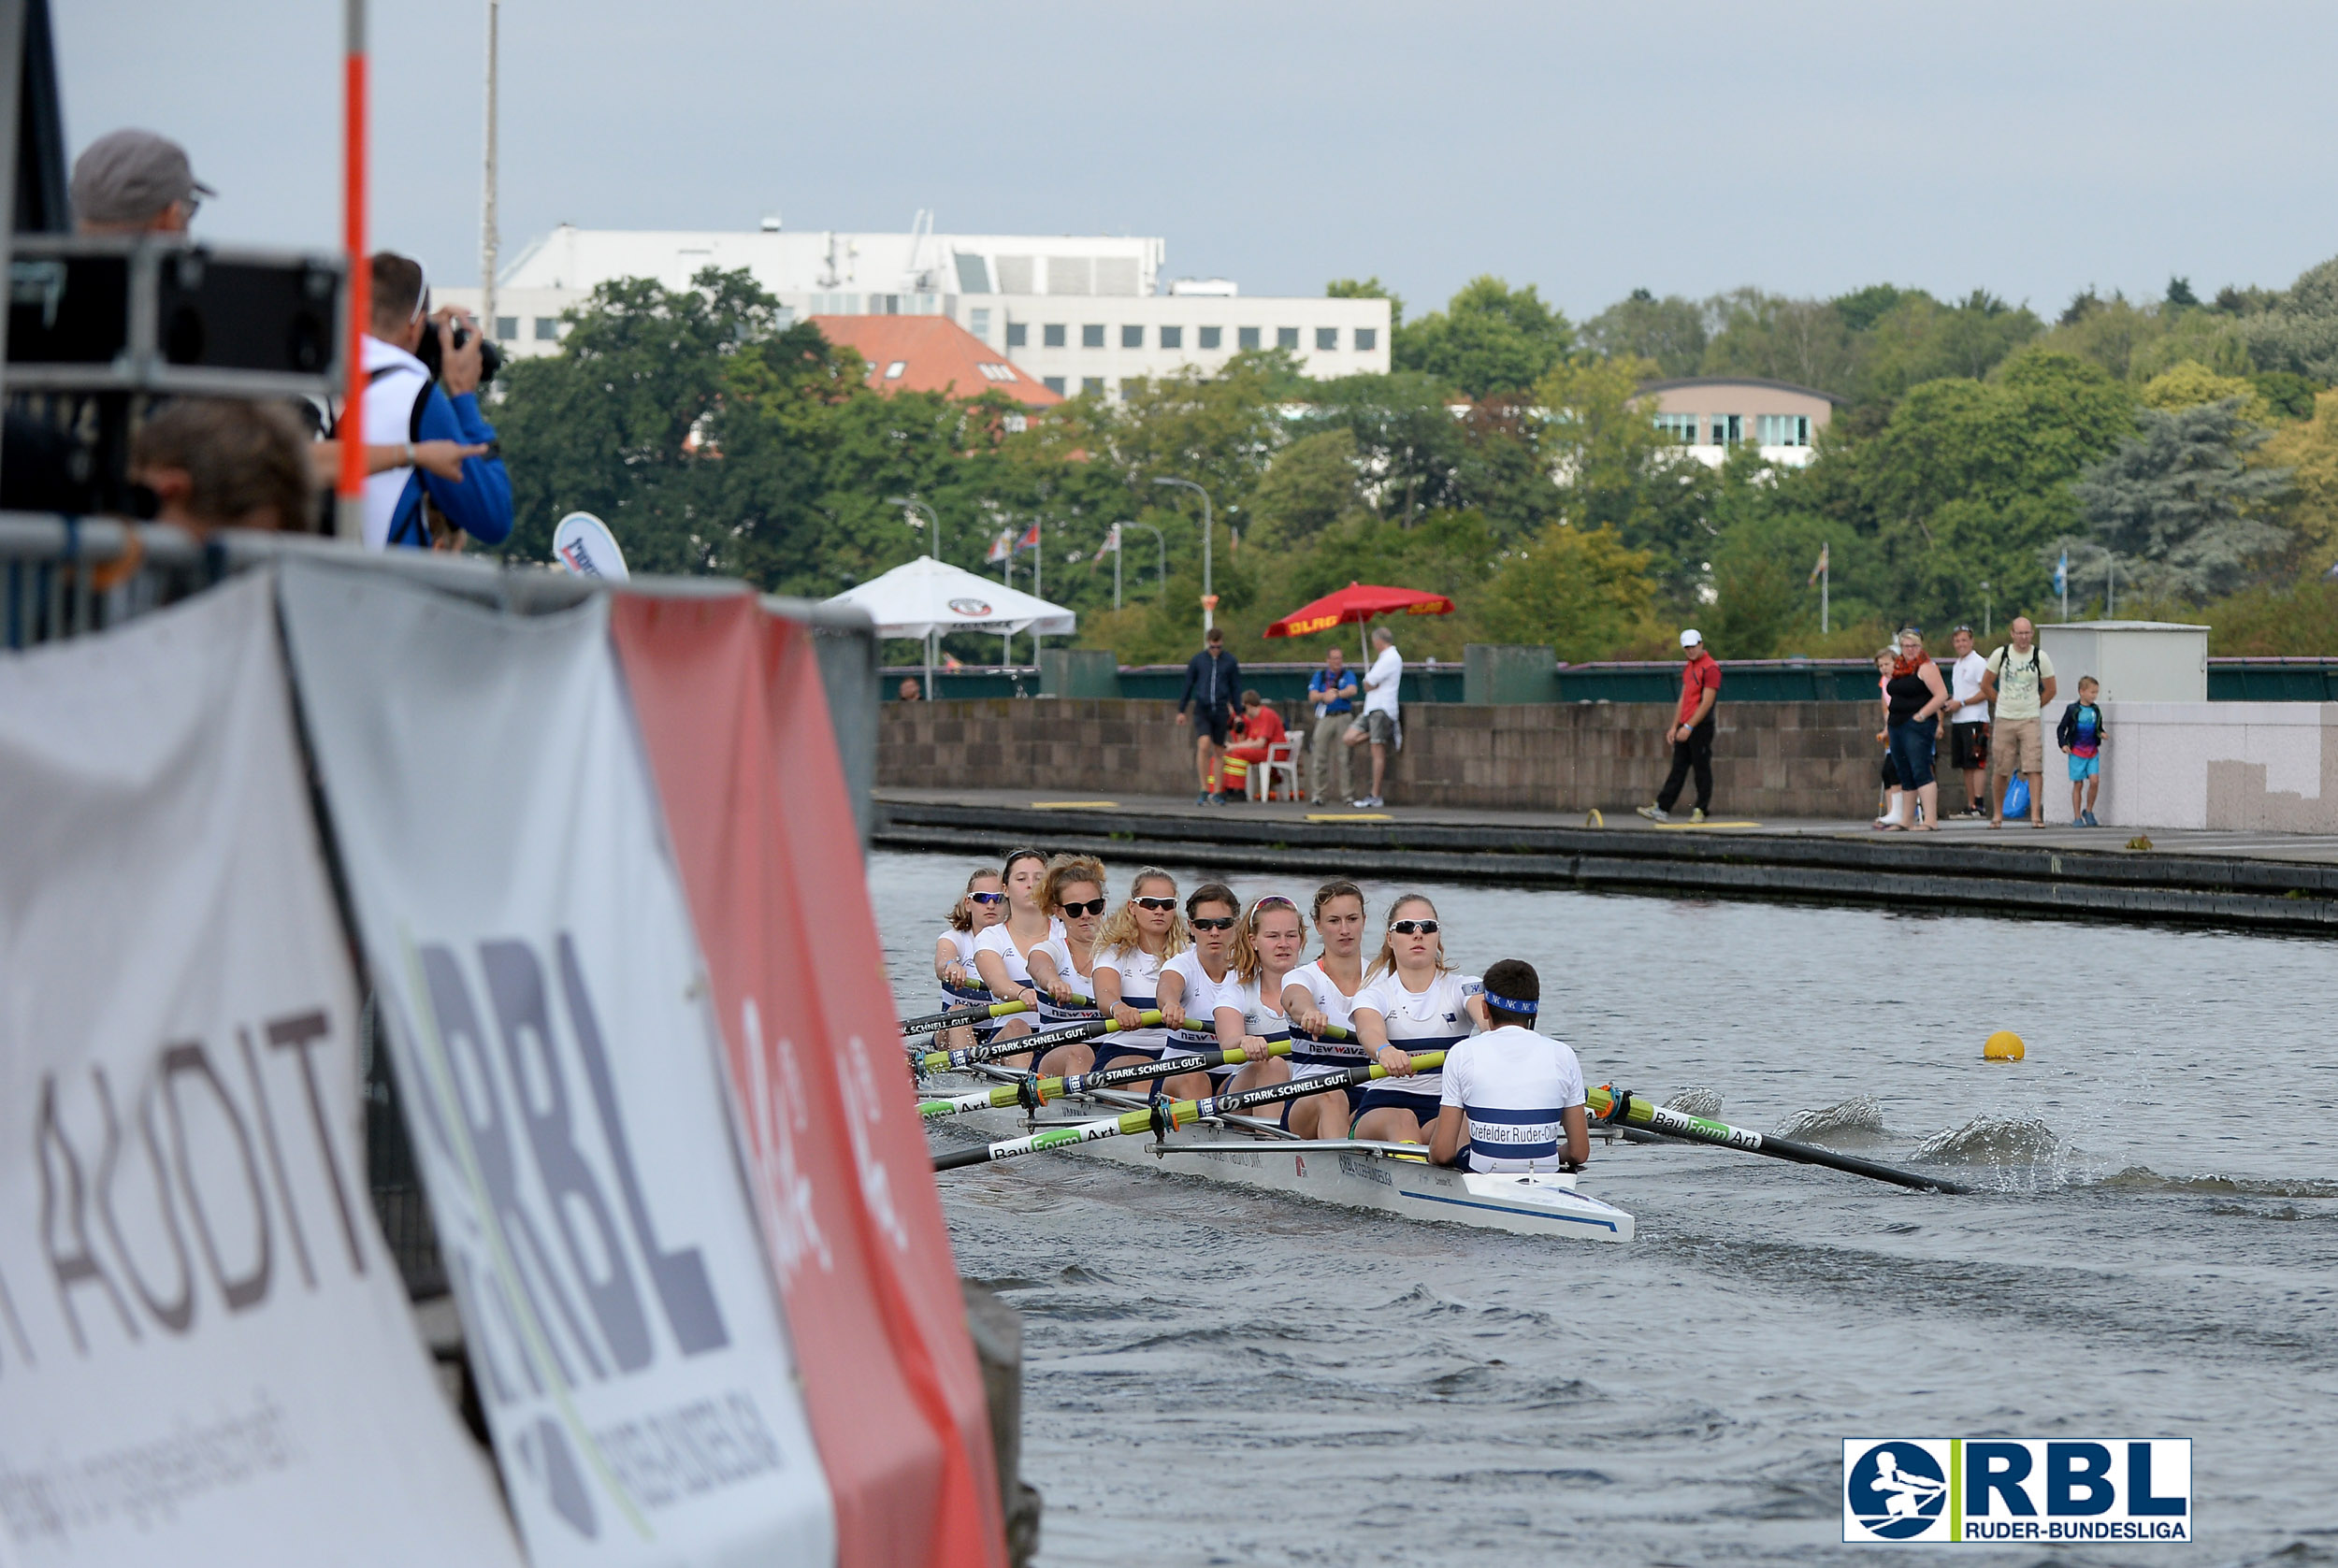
<point>423,374</point>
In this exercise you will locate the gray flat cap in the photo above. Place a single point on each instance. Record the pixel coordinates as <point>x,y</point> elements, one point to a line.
<point>129,177</point>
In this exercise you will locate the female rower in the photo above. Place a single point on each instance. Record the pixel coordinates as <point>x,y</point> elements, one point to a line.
<point>1143,934</point>
<point>1063,967</point>
<point>1266,948</point>
<point>1001,954</point>
<point>1319,995</point>
<point>982,906</point>
<point>1411,1001</point>
<point>1192,982</point>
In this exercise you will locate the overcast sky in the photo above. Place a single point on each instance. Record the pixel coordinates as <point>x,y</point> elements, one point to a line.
<point>1685,147</point>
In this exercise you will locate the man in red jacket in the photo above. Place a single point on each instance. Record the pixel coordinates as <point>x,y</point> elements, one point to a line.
<point>1260,729</point>
<point>1692,731</point>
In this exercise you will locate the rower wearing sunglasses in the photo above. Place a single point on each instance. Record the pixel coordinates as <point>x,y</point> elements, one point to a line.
<point>1143,934</point>
<point>1413,1000</point>
<point>1062,968</point>
<point>1195,981</point>
<point>1002,953</point>
<point>982,906</point>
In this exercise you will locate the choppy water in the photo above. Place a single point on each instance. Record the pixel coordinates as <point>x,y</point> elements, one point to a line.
<point>1216,1377</point>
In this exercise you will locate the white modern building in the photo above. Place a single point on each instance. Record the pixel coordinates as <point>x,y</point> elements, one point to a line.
<point>1712,414</point>
<point>1079,312</point>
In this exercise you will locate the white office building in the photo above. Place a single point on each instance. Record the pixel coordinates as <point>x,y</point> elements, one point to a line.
<point>1079,312</point>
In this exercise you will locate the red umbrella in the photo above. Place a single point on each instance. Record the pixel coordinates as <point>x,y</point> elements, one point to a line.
<point>1358,602</point>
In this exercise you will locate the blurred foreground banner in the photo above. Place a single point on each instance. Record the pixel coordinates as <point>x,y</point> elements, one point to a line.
<point>206,1352</point>
<point>563,1079</point>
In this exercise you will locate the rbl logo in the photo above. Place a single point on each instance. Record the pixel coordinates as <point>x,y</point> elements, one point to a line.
<point>1932,1490</point>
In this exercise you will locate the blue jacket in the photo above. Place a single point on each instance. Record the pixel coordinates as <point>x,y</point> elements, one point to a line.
<point>1323,683</point>
<point>1211,683</point>
<point>481,506</point>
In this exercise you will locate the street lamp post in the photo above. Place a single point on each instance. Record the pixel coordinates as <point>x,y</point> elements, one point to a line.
<point>931,524</point>
<point>1209,599</point>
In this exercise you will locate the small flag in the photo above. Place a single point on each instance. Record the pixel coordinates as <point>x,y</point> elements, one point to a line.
<point>1029,539</point>
<point>1111,545</point>
<point>2062,572</point>
<point>1820,570</point>
<point>1000,547</point>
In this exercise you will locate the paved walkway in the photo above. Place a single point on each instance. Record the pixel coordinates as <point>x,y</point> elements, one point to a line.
<point>2300,847</point>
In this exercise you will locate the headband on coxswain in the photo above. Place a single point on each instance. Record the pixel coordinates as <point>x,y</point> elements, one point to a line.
<point>1525,1008</point>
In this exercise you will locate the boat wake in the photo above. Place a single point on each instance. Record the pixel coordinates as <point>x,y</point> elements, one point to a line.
<point>1695,1102</point>
<point>1858,1120</point>
<point>2007,1141</point>
<point>2142,1178</point>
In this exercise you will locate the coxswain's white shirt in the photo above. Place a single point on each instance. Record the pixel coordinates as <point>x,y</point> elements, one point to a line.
<point>1431,1020</point>
<point>1511,1084</point>
<point>389,414</point>
<point>1140,987</point>
<point>1201,1000</point>
<point>1059,951</point>
<point>1965,686</point>
<point>1336,1008</point>
<point>1381,684</point>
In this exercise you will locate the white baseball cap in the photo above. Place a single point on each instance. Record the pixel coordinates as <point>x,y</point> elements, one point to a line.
<point>1690,639</point>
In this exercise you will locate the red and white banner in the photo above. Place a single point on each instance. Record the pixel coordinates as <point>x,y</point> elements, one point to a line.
<point>206,1352</point>
<point>731,710</point>
<point>555,1048</point>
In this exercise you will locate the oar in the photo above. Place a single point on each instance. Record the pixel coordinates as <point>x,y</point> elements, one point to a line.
<point>1032,1093</point>
<point>1165,1117</point>
<point>1087,1029</point>
<point>952,1018</point>
<point>1608,1105</point>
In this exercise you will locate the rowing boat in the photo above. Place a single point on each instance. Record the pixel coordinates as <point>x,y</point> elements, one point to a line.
<point>1391,1178</point>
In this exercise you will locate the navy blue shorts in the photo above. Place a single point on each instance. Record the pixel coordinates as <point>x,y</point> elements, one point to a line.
<point>1353,1091</point>
<point>1425,1107</point>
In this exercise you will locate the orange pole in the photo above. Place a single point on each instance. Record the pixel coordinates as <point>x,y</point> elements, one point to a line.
<point>350,514</point>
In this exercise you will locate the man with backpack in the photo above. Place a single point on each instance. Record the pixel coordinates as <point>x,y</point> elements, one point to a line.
<point>405,404</point>
<point>2017,686</point>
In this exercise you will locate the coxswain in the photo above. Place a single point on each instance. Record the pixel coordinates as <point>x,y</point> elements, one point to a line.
<point>1513,1098</point>
<point>1411,1001</point>
<point>982,906</point>
<point>1001,954</point>
<point>1192,982</point>
<point>1062,968</point>
<point>1318,996</point>
<point>1144,932</point>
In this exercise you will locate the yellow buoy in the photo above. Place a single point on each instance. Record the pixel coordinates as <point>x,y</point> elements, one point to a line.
<point>2004,1046</point>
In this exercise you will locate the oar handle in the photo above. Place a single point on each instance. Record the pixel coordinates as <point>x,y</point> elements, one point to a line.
<point>952,1018</point>
<point>1087,1029</point>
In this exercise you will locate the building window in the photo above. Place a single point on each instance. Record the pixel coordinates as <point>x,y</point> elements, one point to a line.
<point>1210,337</point>
<point>1172,337</point>
<point>1053,383</point>
<point>1092,337</point>
<point>1245,337</point>
<point>1286,337</point>
<point>894,372</point>
<point>507,329</point>
<point>1018,335</point>
<point>1677,427</point>
<point>1728,429</point>
<point>1091,386</point>
<point>1051,336</point>
<point>547,329</point>
<point>1368,339</point>
<point>1326,337</point>
<point>1785,429</point>
<point>993,370</point>
<point>978,321</point>
<point>1131,337</point>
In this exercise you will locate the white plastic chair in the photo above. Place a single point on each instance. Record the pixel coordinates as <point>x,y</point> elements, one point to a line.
<point>1281,758</point>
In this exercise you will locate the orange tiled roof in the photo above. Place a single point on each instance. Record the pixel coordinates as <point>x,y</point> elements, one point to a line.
<point>932,353</point>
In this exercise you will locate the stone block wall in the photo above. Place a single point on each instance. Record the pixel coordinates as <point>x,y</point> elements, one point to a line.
<point>1770,759</point>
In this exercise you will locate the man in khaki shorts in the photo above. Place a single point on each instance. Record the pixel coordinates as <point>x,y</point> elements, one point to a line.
<point>2017,686</point>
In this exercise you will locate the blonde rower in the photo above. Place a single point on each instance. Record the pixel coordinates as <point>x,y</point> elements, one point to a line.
<point>1143,933</point>
<point>1192,984</point>
<point>1319,995</point>
<point>1411,1001</point>
<point>982,906</point>
<point>1266,948</point>
<point>1001,954</point>
<point>1062,968</point>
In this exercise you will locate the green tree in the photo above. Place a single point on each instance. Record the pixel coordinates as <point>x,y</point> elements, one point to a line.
<point>2179,507</point>
<point>1368,288</point>
<point>1584,592</point>
<point>2298,332</point>
<point>1490,339</point>
<point>1778,338</point>
<point>1669,333</point>
<point>1310,486</point>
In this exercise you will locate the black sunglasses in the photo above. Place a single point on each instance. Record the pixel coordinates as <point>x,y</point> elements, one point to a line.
<point>1213,923</point>
<point>988,898</point>
<point>1154,903</point>
<point>1073,911</point>
<point>1409,928</point>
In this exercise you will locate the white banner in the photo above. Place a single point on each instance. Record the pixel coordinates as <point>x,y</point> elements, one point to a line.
<point>206,1354</point>
<point>561,1074</point>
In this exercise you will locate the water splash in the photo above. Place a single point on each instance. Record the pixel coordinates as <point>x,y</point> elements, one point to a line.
<point>2142,1178</point>
<point>1995,1141</point>
<point>1695,1102</point>
<point>1857,1120</point>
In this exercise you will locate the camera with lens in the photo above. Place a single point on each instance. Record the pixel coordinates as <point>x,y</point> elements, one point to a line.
<point>431,353</point>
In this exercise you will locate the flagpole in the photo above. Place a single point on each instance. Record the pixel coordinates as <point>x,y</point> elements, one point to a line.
<point>1115,565</point>
<point>1825,585</point>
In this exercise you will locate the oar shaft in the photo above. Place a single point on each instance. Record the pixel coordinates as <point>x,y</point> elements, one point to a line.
<point>1036,1092</point>
<point>952,1018</point>
<point>1087,1029</point>
<point>1698,1129</point>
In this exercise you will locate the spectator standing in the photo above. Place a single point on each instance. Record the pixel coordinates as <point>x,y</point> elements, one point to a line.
<point>1334,692</point>
<point>404,405</point>
<point>1261,731</point>
<point>1211,678</point>
<point>225,463</point>
<point>1885,661</point>
<point>2081,734</point>
<point>1968,719</point>
<point>909,691</point>
<point>2017,684</point>
<point>1915,694</point>
<point>1378,725</point>
<point>132,181</point>
<point>1691,731</point>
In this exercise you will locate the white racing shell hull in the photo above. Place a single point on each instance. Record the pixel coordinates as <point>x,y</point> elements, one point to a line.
<point>1354,1176</point>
